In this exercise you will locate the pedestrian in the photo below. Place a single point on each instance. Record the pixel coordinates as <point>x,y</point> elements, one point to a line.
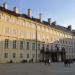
<point>49,61</point>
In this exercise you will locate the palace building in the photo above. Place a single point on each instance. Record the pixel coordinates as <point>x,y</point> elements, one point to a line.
<point>25,38</point>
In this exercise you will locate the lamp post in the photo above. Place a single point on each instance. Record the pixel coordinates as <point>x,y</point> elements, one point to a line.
<point>36,43</point>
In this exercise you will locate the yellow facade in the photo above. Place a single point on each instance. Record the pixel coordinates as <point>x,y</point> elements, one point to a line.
<point>23,29</point>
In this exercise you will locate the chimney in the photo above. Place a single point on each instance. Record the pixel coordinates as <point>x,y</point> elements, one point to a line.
<point>54,23</point>
<point>69,27</point>
<point>40,17</point>
<point>49,21</point>
<point>5,5</point>
<point>30,13</point>
<point>15,9</point>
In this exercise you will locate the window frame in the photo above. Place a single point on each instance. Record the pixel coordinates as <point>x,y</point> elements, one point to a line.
<point>14,44</point>
<point>6,45</point>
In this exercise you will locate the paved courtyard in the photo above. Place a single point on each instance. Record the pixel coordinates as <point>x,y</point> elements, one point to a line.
<point>36,69</point>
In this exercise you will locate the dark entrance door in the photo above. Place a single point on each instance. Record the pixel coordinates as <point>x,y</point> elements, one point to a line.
<point>54,57</point>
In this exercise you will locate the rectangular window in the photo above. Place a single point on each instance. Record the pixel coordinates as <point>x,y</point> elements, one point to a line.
<point>28,35</point>
<point>14,44</point>
<point>7,18</point>
<point>51,47</point>
<point>21,44</point>
<point>21,55</point>
<point>14,31</point>
<point>47,47</point>
<point>33,55</point>
<point>33,46</point>
<point>66,42</point>
<point>43,45</point>
<point>27,55</point>
<point>6,43</point>
<point>15,21</point>
<point>28,44</point>
<point>14,55</point>
<point>7,30</point>
<point>6,55</point>
<point>21,34</point>
<point>39,55</point>
<point>63,41</point>
<point>69,42</point>
<point>33,36</point>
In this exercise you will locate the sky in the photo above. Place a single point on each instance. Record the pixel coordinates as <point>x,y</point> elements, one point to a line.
<point>61,11</point>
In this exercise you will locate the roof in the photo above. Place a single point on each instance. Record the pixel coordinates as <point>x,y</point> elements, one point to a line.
<point>62,28</point>
<point>36,20</point>
<point>46,23</point>
<point>9,11</point>
<point>73,31</point>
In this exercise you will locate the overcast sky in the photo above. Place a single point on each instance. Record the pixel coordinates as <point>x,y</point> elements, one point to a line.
<point>63,11</point>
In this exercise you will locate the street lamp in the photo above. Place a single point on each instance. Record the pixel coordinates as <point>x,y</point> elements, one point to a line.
<point>36,43</point>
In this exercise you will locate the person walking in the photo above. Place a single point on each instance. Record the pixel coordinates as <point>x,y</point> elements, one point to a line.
<point>49,61</point>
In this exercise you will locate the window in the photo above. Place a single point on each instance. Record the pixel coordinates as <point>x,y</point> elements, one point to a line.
<point>33,26</point>
<point>21,44</point>
<point>14,44</point>
<point>47,29</point>
<point>21,33</point>
<point>51,47</point>
<point>69,42</point>
<point>6,43</point>
<point>38,46</point>
<point>66,42</point>
<point>0,17</point>
<point>43,45</point>
<point>15,21</point>
<point>21,55</point>
<point>28,44</point>
<point>33,46</point>
<point>33,36</point>
<point>33,55</point>
<point>28,34</point>
<point>27,55</point>
<point>7,18</point>
<point>6,55</point>
<point>47,47</point>
<point>38,55</point>
<point>7,30</point>
<point>14,55</point>
<point>27,24</point>
<point>63,41</point>
<point>14,31</point>
<point>22,23</point>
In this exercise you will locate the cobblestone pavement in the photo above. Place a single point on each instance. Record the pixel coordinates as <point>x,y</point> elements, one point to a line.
<point>37,69</point>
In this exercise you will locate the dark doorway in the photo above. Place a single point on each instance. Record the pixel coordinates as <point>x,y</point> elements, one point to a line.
<point>54,57</point>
